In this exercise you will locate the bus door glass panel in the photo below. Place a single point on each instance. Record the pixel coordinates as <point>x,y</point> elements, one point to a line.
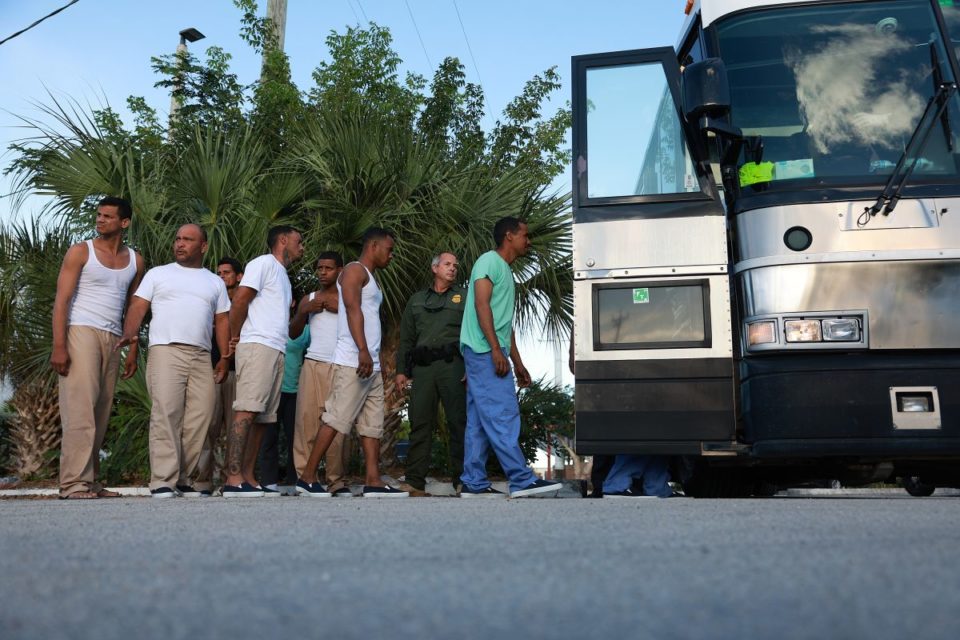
<point>652,315</point>
<point>635,143</point>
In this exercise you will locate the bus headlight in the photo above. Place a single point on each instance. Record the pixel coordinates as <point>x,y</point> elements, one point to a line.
<point>841,329</point>
<point>802,331</point>
<point>763,332</point>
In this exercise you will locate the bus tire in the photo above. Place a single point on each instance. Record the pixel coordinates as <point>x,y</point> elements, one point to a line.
<point>718,483</point>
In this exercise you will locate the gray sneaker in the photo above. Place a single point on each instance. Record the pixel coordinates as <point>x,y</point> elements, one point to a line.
<point>489,492</point>
<point>537,487</point>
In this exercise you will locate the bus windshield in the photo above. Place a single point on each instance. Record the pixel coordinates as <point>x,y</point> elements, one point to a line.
<point>836,90</point>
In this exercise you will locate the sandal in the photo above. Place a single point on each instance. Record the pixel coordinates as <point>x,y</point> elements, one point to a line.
<point>106,493</point>
<point>80,495</point>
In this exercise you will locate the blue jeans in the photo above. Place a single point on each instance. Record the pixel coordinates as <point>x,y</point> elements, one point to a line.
<point>653,470</point>
<point>493,421</point>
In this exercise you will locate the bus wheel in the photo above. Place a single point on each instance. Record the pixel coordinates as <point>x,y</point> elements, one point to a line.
<point>718,483</point>
<point>916,488</point>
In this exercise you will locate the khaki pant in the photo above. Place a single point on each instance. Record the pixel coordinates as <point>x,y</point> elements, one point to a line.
<point>313,389</point>
<point>223,396</point>
<point>86,398</point>
<point>181,388</point>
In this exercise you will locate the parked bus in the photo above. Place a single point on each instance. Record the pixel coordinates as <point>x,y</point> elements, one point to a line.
<point>767,245</point>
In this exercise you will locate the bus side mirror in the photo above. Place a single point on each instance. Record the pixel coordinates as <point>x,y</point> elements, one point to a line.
<point>706,105</point>
<point>705,91</point>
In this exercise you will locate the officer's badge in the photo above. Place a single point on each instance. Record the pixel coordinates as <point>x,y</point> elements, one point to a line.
<point>456,298</point>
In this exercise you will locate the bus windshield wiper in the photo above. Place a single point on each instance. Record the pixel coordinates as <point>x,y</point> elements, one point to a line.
<point>890,195</point>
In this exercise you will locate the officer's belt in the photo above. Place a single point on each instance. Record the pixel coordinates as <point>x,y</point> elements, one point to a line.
<point>422,356</point>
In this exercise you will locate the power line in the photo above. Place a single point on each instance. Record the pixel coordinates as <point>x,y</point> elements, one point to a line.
<point>49,15</point>
<point>476,68</point>
<point>359,4</point>
<point>423,46</point>
<point>355,15</point>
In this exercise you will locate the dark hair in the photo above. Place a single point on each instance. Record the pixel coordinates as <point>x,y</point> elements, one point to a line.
<point>233,262</point>
<point>331,255</point>
<point>123,207</point>
<point>275,232</point>
<point>509,224</point>
<point>377,233</point>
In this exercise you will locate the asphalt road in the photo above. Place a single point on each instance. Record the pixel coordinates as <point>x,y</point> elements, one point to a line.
<point>880,567</point>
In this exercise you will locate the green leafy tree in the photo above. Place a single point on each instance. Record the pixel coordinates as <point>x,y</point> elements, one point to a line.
<point>547,418</point>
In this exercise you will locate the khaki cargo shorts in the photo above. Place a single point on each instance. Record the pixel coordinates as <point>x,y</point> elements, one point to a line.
<point>259,376</point>
<point>353,398</point>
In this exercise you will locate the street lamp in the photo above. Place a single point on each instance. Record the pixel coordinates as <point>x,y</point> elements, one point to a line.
<point>186,35</point>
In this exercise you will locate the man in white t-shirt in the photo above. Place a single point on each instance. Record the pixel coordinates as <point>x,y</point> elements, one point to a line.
<point>259,320</point>
<point>187,303</point>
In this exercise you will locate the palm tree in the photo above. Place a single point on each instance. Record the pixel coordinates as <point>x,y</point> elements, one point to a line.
<point>364,170</point>
<point>29,263</point>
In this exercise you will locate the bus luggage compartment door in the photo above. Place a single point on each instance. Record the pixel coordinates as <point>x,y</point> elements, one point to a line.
<point>655,374</point>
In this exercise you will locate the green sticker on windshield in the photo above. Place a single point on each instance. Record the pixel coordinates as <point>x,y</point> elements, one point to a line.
<point>641,296</point>
<point>754,172</point>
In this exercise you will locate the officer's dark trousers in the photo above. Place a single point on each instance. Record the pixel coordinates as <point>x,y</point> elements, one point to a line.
<point>439,381</point>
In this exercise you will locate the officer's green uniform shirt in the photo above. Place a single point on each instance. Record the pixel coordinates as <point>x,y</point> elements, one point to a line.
<point>430,319</point>
<point>490,265</point>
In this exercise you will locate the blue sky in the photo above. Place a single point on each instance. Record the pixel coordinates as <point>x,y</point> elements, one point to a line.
<point>98,51</point>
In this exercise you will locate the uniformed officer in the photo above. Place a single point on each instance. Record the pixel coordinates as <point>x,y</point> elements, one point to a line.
<point>430,365</point>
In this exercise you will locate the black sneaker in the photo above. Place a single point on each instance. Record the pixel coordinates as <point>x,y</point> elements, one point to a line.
<point>537,487</point>
<point>245,490</point>
<point>489,492</point>
<point>163,492</point>
<point>343,492</point>
<point>383,492</point>
<point>312,489</point>
<point>189,492</point>
<point>629,493</point>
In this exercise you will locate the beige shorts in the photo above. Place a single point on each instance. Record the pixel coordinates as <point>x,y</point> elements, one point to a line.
<point>259,376</point>
<point>353,398</point>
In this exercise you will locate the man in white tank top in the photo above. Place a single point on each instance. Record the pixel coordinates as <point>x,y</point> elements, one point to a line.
<point>188,303</point>
<point>319,311</point>
<point>93,289</point>
<point>357,393</point>
<point>259,323</point>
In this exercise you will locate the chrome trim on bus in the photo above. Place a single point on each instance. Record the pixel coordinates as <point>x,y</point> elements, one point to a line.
<point>848,256</point>
<point>647,272</point>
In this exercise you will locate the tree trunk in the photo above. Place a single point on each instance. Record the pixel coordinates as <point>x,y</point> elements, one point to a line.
<point>35,430</point>
<point>394,401</point>
<point>580,470</point>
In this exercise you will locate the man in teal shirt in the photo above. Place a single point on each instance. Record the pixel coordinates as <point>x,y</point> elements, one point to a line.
<point>486,340</point>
